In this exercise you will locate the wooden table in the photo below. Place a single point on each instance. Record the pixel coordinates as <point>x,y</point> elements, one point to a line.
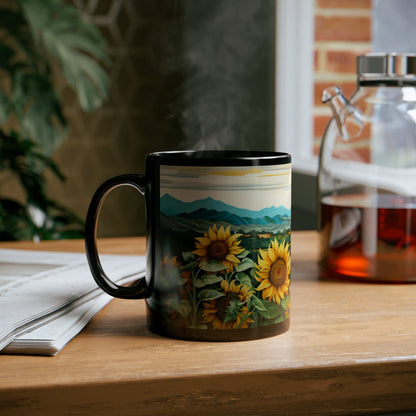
<point>351,349</point>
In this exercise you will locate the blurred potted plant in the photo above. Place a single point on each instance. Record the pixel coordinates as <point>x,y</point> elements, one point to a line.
<point>38,37</point>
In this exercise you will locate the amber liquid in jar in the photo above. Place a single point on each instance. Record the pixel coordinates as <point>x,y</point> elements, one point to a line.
<point>371,238</point>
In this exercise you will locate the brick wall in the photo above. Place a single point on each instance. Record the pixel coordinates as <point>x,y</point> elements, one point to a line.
<point>342,31</point>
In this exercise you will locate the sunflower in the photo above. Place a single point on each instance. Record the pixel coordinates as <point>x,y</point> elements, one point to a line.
<point>167,262</point>
<point>273,271</point>
<point>216,311</point>
<point>172,273</point>
<point>169,268</point>
<point>219,245</point>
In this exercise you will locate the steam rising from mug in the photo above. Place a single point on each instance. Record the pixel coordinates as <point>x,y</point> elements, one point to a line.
<point>226,98</point>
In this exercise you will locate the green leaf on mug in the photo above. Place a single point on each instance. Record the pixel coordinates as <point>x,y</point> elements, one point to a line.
<point>244,279</point>
<point>212,266</point>
<point>182,307</point>
<point>258,303</point>
<point>272,310</point>
<point>188,255</point>
<point>189,266</point>
<point>243,254</point>
<point>233,310</point>
<point>210,294</point>
<point>284,303</point>
<point>245,264</point>
<point>207,279</point>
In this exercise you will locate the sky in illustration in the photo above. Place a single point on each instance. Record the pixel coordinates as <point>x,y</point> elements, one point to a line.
<point>249,187</point>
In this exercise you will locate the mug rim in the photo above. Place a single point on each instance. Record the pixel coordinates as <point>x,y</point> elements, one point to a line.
<point>220,157</point>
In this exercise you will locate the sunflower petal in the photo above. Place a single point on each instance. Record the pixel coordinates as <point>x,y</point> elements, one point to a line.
<point>212,233</point>
<point>269,292</point>
<point>221,234</point>
<point>230,257</point>
<point>225,286</point>
<point>276,298</point>
<point>232,239</point>
<point>227,232</point>
<point>236,249</point>
<point>263,285</point>
<point>272,254</point>
<point>234,288</point>
<point>204,241</point>
<point>262,276</point>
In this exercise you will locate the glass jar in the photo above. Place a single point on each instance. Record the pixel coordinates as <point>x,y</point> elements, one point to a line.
<point>367,174</point>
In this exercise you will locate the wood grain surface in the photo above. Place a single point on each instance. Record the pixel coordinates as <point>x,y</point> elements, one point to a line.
<point>351,349</point>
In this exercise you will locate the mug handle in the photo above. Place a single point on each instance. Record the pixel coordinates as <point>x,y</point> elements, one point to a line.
<point>140,289</point>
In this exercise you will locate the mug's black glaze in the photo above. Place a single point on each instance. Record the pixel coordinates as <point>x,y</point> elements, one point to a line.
<point>218,266</point>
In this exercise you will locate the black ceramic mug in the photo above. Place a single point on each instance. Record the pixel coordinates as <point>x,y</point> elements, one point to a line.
<point>218,243</point>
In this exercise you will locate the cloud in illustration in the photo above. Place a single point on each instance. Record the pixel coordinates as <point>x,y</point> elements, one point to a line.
<point>253,187</point>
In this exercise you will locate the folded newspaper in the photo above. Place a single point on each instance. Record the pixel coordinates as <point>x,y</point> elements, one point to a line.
<point>46,298</point>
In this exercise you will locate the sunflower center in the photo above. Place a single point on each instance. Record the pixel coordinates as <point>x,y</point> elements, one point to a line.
<point>218,250</point>
<point>223,303</point>
<point>278,272</point>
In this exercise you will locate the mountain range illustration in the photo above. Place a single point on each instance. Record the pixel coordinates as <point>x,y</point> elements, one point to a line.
<point>212,209</point>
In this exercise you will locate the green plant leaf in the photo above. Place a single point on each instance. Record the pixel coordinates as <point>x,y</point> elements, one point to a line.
<point>40,217</point>
<point>245,264</point>
<point>4,106</point>
<point>34,35</point>
<point>189,266</point>
<point>77,45</point>
<point>285,302</point>
<point>14,25</point>
<point>183,307</point>
<point>188,255</point>
<point>270,310</point>
<point>212,266</point>
<point>245,253</point>
<point>210,294</point>
<point>40,117</point>
<point>10,20</point>
<point>258,304</point>
<point>6,56</point>
<point>233,310</point>
<point>207,279</point>
<point>244,279</point>
<point>14,222</point>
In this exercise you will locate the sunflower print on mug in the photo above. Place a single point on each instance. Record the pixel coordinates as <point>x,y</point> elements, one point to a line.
<point>228,235</point>
<point>223,287</point>
<point>219,245</point>
<point>229,311</point>
<point>273,271</point>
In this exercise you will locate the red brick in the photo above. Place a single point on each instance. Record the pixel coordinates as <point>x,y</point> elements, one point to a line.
<point>363,154</point>
<point>343,62</point>
<point>358,153</point>
<point>364,135</point>
<point>344,4</point>
<point>319,125</point>
<point>343,28</point>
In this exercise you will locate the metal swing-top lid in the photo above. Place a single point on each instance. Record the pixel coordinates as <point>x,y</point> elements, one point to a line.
<point>387,68</point>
